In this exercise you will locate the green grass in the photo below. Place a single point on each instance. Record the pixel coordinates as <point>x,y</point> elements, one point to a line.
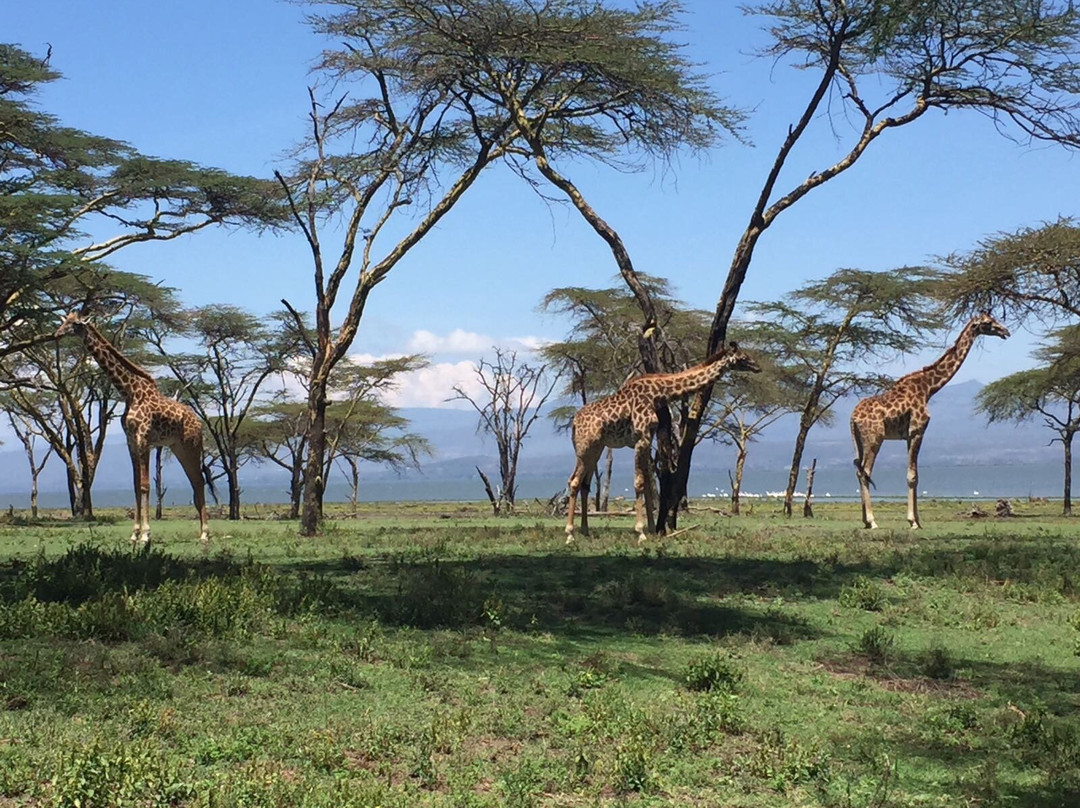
<point>432,655</point>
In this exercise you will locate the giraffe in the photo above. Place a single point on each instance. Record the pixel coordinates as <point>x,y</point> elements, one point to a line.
<point>628,418</point>
<point>151,419</point>
<point>900,413</point>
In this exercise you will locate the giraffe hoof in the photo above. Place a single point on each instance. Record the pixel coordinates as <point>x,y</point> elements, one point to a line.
<point>570,540</point>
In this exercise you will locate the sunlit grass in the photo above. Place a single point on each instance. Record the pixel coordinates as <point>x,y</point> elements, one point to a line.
<point>431,654</point>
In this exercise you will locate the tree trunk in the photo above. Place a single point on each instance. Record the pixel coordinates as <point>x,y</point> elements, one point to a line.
<point>354,483</point>
<point>159,483</point>
<point>796,460</point>
<point>34,474</point>
<point>605,499</point>
<point>232,477</point>
<point>736,481</point>
<point>808,507</point>
<point>314,484</point>
<point>1066,441</point>
<point>296,487</point>
<point>495,502</point>
<point>74,494</point>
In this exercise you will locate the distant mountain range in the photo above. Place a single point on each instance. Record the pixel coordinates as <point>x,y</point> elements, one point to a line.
<point>957,436</point>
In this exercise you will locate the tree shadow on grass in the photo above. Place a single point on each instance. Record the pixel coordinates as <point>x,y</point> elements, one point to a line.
<point>576,594</point>
<point>1009,730</point>
<point>1051,564</point>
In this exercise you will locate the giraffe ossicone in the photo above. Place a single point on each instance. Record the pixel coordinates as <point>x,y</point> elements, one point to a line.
<point>901,413</point>
<point>627,418</point>
<point>150,419</point>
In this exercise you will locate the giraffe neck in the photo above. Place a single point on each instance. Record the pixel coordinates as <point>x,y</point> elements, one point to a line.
<point>126,376</point>
<point>684,382</point>
<point>938,373</point>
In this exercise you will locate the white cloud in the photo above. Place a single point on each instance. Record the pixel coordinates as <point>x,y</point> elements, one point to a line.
<point>460,342</point>
<point>457,341</point>
<point>431,386</point>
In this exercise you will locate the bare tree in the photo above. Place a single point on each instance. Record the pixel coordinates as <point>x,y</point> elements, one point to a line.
<point>28,433</point>
<point>513,394</point>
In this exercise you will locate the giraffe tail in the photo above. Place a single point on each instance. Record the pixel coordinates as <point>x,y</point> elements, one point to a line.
<point>860,472</point>
<point>210,482</point>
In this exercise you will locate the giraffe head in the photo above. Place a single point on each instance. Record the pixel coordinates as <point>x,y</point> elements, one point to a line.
<point>985,325</point>
<point>72,322</point>
<point>739,360</point>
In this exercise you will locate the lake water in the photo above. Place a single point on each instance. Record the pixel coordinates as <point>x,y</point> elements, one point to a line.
<point>952,482</point>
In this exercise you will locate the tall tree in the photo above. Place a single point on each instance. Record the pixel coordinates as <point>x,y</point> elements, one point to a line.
<point>59,185</point>
<point>829,329</point>
<point>1051,391</point>
<point>885,65</point>
<point>642,99</point>
<point>458,86</point>
<point>511,396</point>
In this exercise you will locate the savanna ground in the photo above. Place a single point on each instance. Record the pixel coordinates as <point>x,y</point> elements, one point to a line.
<point>432,655</point>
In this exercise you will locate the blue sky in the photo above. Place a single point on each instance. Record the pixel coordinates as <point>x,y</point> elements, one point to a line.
<point>224,84</point>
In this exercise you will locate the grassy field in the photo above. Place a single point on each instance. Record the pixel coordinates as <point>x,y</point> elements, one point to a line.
<point>432,655</point>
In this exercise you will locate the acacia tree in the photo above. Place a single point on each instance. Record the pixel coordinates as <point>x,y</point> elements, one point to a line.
<point>374,433</point>
<point>643,100</point>
<point>509,402</point>
<point>360,426</point>
<point>455,87</point>
<point>223,381</point>
<point>1051,391</point>
<point>750,404</point>
<point>1030,273</point>
<point>827,330</point>
<point>885,65</point>
<point>58,184</point>
<point>602,347</point>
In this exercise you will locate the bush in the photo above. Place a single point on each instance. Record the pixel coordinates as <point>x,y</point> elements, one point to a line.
<point>714,671</point>
<point>864,593</point>
<point>877,645</point>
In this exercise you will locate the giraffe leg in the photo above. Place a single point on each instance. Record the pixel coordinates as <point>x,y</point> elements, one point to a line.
<point>584,490</point>
<point>914,442</point>
<point>579,484</point>
<point>868,458</point>
<point>642,456</point>
<point>574,485</point>
<point>141,459</point>
<point>190,458</point>
<point>135,470</point>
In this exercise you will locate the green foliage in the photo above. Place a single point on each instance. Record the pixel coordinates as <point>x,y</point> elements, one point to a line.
<point>864,593</point>
<point>714,671</point>
<point>60,183</point>
<point>877,644</point>
<point>100,776</point>
<point>937,662</point>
